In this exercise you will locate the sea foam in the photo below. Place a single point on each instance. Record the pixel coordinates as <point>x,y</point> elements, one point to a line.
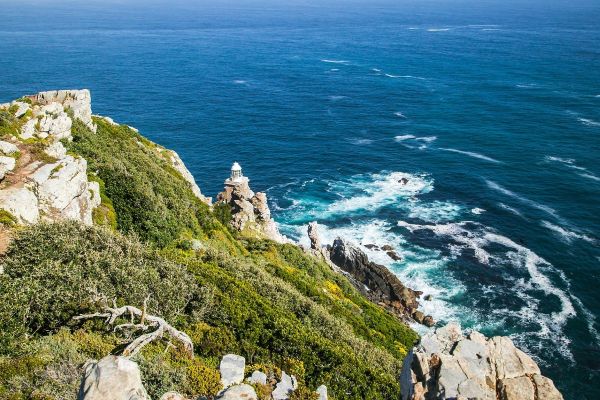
<point>472,154</point>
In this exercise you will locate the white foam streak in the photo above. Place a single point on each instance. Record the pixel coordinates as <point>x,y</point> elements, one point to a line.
<point>512,210</point>
<point>402,138</point>
<point>472,154</point>
<point>335,61</point>
<point>566,235</point>
<point>588,122</point>
<point>531,203</point>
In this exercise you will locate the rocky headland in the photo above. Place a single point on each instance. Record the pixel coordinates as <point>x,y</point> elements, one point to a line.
<point>101,228</point>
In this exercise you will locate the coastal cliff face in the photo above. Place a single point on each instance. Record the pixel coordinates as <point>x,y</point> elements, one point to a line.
<point>102,228</point>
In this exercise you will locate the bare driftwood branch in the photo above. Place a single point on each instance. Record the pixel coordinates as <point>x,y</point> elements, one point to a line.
<point>147,321</point>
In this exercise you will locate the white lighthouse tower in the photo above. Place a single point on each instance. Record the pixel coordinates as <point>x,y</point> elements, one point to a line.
<point>236,175</point>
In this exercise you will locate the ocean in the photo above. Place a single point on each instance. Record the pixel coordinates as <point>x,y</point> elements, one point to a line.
<point>465,134</point>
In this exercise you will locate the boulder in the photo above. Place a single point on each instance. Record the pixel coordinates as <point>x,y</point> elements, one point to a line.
<point>22,203</point>
<point>448,365</point>
<point>7,164</point>
<point>232,369</point>
<point>285,387</point>
<point>112,378</point>
<point>78,101</point>
<point>313,236</point>
<point>28,129</point>
<point>22,108</point>
<point>8,148</point>
<point>238,392</point>
<point>322,392</point>
<point>56,150</point>
<point>258,377</point>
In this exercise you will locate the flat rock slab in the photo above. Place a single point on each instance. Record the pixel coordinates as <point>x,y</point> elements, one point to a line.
<point>232,369</point>
<point>238,392</point>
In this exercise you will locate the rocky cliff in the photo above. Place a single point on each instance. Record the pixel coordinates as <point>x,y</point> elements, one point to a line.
<point>449,365</point>
<point>40,181</point>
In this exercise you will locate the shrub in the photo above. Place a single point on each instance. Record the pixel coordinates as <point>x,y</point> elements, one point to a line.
<point>53,272</point>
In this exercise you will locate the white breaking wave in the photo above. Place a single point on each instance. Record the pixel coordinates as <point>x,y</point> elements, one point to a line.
<point>531,203</point>
<point>477,211</point>
<point>570,163</point>
<point>588,122</point>
<point>358,141</point>
<point>335,61</point>
<point>382,190</point>
<point>336,98</point>
<point>478,238</point>
<point>436,211</point>
<point>565,234</point>
<point>472,154</point>
<point>399,114</point>
<point>438,29</point>
<point>239,82</point>
<point>427,139</point>
<point>511,209</point>
<point>405,76</point>
<point>402,138</point>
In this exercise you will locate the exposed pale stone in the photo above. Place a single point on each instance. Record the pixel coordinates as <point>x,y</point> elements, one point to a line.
<point>112,378</point>
<point>232,369</point>
<point>22,108</point>
<point>518,388</point>
<point>180,167</point>
<point>322,392</point>
<point>28,129</point>
<point>56,125</point>
<point>6,164</point>
<point>78,101</point>
<point>446,365</point>
<point>258,377</point>
<point>56,150</point>
<point>21,203</point>
<point>8,148</point>
<point>285,387</point>
<point>172,396</point>
<point>238,392</point>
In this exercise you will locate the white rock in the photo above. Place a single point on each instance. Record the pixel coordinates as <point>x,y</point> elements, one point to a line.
<point>8,148</point>
<point>322,392</point>
<point>22,108</point>
<point>112,378</point>
<point>258,377</point>
<point>238,392</point>
<point>232,369</point>
<point>64,192</point>
<point>172,396</point>
<point>56,150</point>
<point>78,101</point>
<point>6,164</point>
<point>28,129</point>
<point>180,167</point>
<point>21,203</point>
<point>285,387</point>
<point>56,125</point>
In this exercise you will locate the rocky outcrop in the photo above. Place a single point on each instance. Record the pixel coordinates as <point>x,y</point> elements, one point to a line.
<point>249,211</point>
<point>112,378</point>
<point>376,282</point>
<point>449,365</point>
<point>48,185</point>
<point>238,392</point>
<point>180,167</point>
<point>232,369</point>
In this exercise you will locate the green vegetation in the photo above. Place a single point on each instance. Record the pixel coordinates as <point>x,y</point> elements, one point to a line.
<point>9,124</point>
<point>275,305</point>
<point>6,218</point>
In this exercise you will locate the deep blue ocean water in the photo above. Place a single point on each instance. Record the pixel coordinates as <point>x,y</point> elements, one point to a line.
<point>490,110</point>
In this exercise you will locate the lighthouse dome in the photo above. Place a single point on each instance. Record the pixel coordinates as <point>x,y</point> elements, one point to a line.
<point>236,167</point>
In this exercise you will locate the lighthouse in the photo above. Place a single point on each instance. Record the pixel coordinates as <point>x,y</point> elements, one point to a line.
<point>236,176</point>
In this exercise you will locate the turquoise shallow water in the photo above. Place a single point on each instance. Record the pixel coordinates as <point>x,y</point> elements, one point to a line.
<point>490,111</point>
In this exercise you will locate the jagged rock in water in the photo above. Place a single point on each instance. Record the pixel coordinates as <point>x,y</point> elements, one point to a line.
<point>112,378</point>
<point>448,365</point>
<point>232,369</point>
<point>383,286</point>
<point>313,236</point>
<point>238,392</point>
<point>249,211</point>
